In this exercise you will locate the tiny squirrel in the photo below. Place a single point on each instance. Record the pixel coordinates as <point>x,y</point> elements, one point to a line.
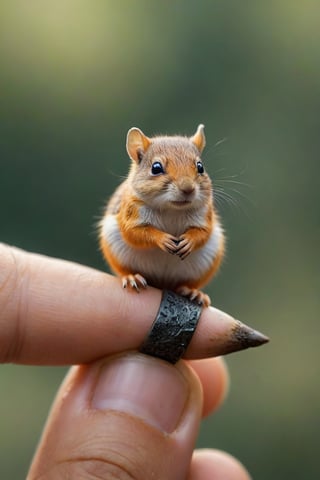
<point>160,226</point>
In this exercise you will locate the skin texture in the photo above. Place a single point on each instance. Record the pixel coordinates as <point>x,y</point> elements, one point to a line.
<point>54,313</point>
<point>93,432</point>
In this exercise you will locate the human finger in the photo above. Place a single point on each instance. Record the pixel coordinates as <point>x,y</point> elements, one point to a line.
<point>214,377</point>
<point>129,416</point>
<point>58,312</point>
<point>212,464</point>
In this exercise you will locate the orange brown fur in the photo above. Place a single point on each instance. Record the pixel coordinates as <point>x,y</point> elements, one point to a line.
<point>165,205</point>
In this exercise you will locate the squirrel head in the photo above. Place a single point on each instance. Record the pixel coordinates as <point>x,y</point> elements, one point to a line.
<point>167,171</point>
<point>138,143</point>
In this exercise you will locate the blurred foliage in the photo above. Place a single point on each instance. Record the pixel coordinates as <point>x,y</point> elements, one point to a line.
<point>74,76</point>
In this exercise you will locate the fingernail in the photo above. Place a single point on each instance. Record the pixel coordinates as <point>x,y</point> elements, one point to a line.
<point>139,385</point>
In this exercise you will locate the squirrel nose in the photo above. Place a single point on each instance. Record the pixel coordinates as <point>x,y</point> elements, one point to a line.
<point>186,186</point>
<point>188,190</point>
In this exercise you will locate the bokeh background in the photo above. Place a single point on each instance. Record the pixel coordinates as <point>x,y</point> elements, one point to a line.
<point>75,75</point>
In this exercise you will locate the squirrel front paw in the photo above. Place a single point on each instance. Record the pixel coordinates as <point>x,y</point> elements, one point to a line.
<point>169,243</point>
<point>184,248</point>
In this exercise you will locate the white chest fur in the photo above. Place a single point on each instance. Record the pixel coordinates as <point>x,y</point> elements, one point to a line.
<point>171,221</point>
<point>160,268</point>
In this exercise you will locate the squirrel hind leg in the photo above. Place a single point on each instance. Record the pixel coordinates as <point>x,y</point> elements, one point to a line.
<point>134,282</point>
<point>194,295</point>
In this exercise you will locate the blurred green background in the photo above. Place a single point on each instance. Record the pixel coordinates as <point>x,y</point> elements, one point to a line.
<point>75,75</point>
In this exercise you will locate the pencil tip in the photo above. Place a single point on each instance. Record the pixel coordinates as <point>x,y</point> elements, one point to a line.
<point>258,338</point>
<point>247,337</point>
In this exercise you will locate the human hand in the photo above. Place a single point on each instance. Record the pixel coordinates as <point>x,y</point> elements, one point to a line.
<point>120,414</point>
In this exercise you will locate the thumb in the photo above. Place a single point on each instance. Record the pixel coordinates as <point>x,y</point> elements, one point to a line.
<point>130,416</point>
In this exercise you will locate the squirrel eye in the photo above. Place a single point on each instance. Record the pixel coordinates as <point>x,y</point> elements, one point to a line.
<point>157,168</point>
<point>200,167</point>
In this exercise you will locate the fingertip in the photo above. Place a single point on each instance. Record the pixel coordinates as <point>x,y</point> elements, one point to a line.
<point>209,464</point>
<point>220,334</point>
<point>109,414</point>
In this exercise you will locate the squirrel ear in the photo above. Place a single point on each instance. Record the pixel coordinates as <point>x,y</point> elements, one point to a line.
<point>199,139</point>
<point>137,144</point>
